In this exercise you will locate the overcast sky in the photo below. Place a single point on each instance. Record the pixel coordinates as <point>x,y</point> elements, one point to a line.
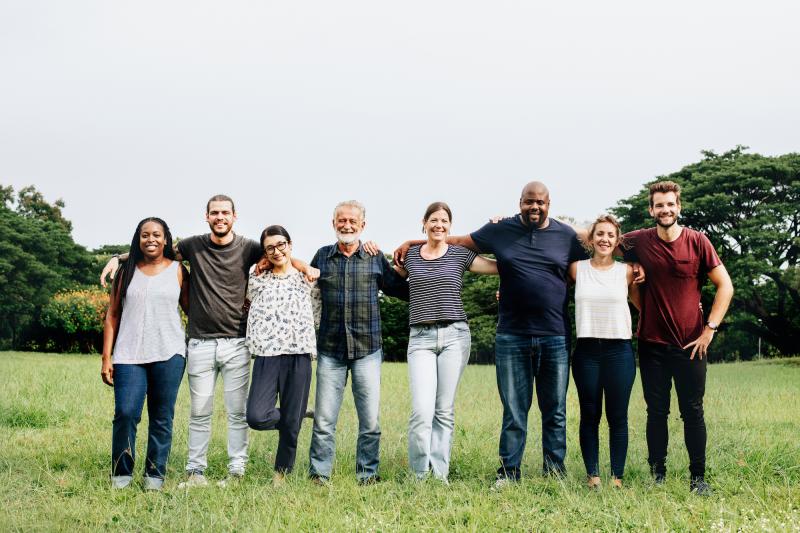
<point>131,109</point>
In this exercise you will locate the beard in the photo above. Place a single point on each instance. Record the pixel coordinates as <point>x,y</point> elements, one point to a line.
<point>347,238</point>
<point>666,225</point>
<point>218,233</point>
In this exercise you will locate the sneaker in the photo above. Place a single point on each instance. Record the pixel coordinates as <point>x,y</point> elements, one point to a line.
<point>278,479</point>
<point>699,487</point>
<point>231,479</point>
<point>120,482</point>
<point>502,483</point>
<point>371,480</point>
<point>153,483</point>
<point>320,481</point>
<point>195,479</point>
<point>309,414</point>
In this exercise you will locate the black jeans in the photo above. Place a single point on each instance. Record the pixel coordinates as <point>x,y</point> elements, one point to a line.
<point>659,365</point>
<point>287,376</point>
<point>604,367</point>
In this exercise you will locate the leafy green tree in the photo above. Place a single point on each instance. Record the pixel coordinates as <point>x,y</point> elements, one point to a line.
<point>37,258</point>
<point>747,204</point>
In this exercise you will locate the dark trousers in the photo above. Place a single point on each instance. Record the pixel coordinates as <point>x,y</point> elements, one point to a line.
<point>287,377</point>
<point>159,382</point>
<point>604,367</point>
<point>659,364</point>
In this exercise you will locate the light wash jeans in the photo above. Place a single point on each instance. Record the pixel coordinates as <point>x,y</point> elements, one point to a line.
<point>206,358</point>
<point>437,356</point>
<point>331,380</point>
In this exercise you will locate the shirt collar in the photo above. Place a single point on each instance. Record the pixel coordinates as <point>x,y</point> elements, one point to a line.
<point>335,250</point>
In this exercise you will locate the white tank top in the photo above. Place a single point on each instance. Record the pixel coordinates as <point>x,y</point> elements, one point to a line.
<point>150,328</point>
<point>601,302</point>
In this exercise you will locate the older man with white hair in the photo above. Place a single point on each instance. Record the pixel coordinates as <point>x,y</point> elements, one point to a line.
<point>349,340</point>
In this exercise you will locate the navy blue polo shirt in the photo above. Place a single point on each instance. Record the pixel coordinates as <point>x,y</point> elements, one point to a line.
<point>533,273</point>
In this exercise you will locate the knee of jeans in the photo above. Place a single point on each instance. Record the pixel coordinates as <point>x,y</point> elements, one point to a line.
<point>201,406</point>
<point>590,414</point>
<point>445,417</point>
<point>692,411</point>
<point>126,413</point>
<point>657,411</point>
<point>268,420</point>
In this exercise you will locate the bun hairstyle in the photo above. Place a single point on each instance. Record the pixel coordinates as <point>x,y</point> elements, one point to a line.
<point>436,206</point>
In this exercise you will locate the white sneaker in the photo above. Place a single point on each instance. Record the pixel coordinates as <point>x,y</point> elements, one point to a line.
<point>120,482</point>
<point>195,479</point>
<point>502,483</point>
<point>153,483</point>
<point>230,479</point>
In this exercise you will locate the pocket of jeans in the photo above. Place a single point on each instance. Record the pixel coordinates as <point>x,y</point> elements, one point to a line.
<point>194,343</point>
<point>461,327</point>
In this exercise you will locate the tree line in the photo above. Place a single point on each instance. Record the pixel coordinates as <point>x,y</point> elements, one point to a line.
<point>746,203</point>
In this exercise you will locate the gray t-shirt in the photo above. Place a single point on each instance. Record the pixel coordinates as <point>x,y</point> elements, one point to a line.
<point>218,285</point>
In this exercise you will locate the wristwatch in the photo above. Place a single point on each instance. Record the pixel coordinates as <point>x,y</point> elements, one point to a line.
<point>713,326</point>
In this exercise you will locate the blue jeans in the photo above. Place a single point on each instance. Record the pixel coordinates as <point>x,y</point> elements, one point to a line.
<point>519,360</point>
<point>331,380</point>
<point>437,356</point>
<point>159,382</point>
<point>604,367</point>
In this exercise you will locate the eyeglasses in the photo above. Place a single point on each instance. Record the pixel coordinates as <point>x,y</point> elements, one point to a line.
<point>281,246</point>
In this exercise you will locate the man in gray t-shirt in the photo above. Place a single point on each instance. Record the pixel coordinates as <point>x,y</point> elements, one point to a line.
<point>220,263</point>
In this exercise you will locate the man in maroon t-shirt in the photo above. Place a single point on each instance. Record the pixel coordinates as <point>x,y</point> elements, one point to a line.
<point>673,337</point>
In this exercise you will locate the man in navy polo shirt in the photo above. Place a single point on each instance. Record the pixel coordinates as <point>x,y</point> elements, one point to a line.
<point>533,252</point>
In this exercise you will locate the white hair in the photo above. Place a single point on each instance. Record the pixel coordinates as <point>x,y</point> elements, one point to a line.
<point>350,203</point>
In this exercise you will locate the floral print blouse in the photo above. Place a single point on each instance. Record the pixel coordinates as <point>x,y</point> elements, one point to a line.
<point>281,317</point>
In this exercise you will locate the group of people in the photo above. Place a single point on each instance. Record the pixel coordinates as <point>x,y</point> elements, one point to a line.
<point>236,312</point>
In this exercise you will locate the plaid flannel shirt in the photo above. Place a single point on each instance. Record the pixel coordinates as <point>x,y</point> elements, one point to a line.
<point>350,326</point>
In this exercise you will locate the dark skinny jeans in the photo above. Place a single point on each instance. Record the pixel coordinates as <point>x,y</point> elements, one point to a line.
<point>287,377</point>
<point>604,367</point>
<point>659,364</point>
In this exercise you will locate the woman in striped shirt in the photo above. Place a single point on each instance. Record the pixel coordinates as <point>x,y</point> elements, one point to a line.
<point>439,341</point>
<point>603,363</point>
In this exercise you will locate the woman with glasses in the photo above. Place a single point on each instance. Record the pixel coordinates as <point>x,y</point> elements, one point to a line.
<point>280,336</point>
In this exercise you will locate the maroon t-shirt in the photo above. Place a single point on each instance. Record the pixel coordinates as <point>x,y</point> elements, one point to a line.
<point>675,272</point>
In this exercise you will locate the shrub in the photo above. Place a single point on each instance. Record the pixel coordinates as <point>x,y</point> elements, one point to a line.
<point>73,320</point>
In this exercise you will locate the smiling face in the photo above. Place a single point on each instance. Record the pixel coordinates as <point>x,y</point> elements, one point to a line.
<point>665,209</point>
<point>348,223</point>
<point>220,218</point>
<point>277,249</point>
<point>152,240</point>
<point>534,205</point>
<point>437,226</point>
<point>604,239</point>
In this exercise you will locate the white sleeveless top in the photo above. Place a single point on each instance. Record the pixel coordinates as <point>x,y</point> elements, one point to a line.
<point>601,302</point>
<point>150,329</point>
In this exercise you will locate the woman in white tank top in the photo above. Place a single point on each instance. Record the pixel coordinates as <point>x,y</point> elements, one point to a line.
<point>144,350</point>
<point>603,361</point>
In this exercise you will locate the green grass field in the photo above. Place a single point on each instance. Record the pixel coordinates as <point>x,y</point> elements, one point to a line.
<point>55,434</point>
